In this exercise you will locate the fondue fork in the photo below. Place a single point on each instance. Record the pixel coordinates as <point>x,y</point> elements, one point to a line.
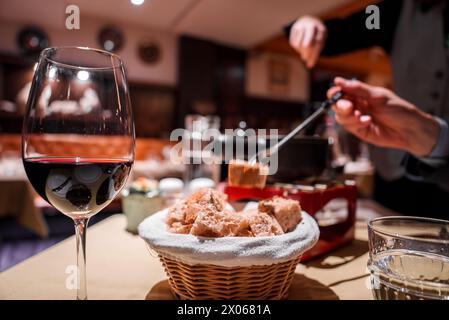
<point>325,105</point>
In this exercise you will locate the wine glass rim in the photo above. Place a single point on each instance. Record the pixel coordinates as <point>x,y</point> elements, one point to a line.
<point>434,221</point>
<point>45,52</point>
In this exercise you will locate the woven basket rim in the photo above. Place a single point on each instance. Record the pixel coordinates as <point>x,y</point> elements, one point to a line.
<point>174,258</point>
<point>232,251</point>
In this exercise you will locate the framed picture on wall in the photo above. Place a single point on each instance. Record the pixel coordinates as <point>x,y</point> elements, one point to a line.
<point>278,77</point>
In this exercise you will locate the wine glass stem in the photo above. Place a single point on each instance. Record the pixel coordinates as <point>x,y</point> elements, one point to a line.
<point>81,228</point>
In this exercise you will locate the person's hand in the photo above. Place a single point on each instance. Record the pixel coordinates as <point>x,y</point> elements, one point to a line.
<point>378,116</point>
<point>307,37</point>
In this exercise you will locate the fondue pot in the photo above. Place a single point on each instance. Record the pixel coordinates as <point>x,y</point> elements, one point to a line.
<point>301,158</point>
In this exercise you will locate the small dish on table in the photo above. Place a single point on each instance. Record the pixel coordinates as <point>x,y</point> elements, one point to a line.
<point>139,201</point>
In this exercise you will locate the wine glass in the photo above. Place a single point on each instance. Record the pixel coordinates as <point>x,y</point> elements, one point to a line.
<point>78,136</point>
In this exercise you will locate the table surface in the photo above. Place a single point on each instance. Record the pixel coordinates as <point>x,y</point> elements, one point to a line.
<point>120,266</point>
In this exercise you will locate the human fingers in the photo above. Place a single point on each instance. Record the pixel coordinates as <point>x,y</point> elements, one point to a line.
<point>296,36</point>
<point>359,126</point>
<point>310,32</point>
<point>318,43</point>
<point>308,44</point>
<point>333,90</point>
<point>314,55</point>
<point>355,88</point>
<point>348,116</point>
<point>343,108</point>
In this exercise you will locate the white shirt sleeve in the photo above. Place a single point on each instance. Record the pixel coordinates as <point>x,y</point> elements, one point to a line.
<point>441,149</point>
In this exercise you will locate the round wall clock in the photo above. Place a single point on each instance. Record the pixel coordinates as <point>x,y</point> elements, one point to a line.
<point>32,40</point>
<point>111,39</point>
<point>149,51</point>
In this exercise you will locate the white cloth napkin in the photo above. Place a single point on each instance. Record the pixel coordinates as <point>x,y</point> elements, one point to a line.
<point>228,251</point>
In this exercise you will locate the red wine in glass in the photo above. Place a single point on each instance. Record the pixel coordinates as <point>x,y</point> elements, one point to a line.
<point>77,187</point>
<point>78,136</point>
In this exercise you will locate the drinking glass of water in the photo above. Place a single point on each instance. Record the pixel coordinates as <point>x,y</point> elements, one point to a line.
<point>409,258</point>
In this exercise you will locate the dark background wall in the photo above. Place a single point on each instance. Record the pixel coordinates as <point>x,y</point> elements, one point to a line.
<point>212,81</point>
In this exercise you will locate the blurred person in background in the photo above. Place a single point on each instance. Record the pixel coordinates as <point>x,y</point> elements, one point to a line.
<point>415,34</point>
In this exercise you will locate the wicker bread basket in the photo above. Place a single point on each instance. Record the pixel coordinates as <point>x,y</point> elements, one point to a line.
<point>224,278</point>
<point>270,282</point>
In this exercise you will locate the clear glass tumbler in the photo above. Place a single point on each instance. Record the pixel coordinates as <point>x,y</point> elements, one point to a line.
<point>199,159</point>
<point>409,258</point>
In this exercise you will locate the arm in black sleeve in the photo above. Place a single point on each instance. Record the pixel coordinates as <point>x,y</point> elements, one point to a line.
<point>350,33</point>
<point>441,177</point>
<point>431,170</point>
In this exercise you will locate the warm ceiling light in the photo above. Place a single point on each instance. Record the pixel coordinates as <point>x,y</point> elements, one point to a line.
<point>83,75</point>
<point>137,2</point>
<point>52,73</point>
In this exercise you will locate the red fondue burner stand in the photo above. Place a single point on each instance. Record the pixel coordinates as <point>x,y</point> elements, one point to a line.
<point>312,198</point>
